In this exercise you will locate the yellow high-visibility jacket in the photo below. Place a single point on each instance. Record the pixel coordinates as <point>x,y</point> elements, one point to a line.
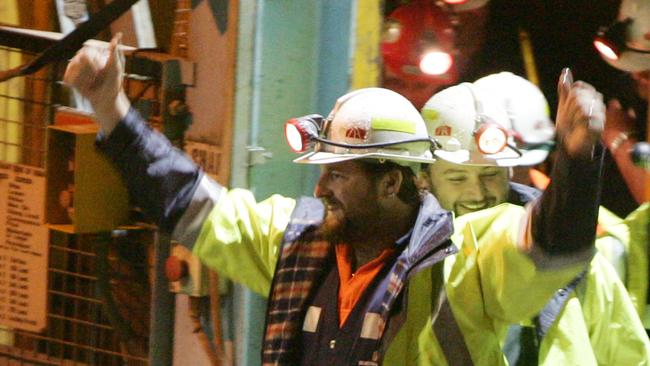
<point>492,282</point>
<point>632,234</point>
<point>497,277</point>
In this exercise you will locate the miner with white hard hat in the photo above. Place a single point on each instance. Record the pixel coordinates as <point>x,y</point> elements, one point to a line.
<point>468,178</point>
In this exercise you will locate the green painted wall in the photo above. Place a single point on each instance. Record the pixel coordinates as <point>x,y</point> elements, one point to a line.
<point>294,58</point>
<point>285,85</point>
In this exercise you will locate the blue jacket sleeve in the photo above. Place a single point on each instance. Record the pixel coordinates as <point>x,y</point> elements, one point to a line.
<point>160,178</point>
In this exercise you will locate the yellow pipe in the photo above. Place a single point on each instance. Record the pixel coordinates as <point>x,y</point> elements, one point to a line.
<point>366,62</point>
<point>528,56</point>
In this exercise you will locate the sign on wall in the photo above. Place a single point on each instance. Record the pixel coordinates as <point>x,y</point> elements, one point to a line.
<point>23,248</point>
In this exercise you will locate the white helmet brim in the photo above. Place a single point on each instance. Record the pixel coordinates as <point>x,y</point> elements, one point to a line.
<point>630,61</point>
<point>506,158</point>
<point>322,157</point>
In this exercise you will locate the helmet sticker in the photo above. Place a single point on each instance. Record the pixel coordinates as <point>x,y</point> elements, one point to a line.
<point>443,130</point>
<point>356,133</point>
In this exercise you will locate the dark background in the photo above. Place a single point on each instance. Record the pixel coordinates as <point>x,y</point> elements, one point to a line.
<point>562,33</point>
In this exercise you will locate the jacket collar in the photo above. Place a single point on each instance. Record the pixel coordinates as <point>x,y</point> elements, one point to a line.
<point>520,194</point>
<point>433,226</point>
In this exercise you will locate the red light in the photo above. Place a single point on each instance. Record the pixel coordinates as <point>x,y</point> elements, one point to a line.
<point>435,62</point>
<point>410,32</point>
<point>455,2</point>
<point>491,138</point>
<point>296,137</point>
<point>300,132</point>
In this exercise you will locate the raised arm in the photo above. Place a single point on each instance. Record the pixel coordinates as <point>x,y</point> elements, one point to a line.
<point>564,220</point>
<point>160,178</point>
<point>228,230</point>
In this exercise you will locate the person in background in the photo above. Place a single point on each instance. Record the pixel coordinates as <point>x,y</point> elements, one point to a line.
<point>625,45</point>
<point>591,320</point>
<point>355,275</point>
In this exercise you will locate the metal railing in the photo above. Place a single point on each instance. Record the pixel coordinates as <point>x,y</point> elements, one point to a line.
<point>99,295</point>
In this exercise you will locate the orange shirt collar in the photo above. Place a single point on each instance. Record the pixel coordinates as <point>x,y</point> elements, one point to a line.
<point>353,285</point>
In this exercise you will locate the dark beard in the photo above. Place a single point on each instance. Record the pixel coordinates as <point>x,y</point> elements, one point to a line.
<point>334,229</point>
<point>341,229</point>
<point>362,238</point>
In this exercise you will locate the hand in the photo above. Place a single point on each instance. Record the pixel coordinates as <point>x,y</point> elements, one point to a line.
<point>580,116</point>
<point>618,121</point>
<point>97,74</point>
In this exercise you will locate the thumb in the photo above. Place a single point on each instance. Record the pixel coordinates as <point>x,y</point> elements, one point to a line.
<point>115,56</point>
<point>564,84</point>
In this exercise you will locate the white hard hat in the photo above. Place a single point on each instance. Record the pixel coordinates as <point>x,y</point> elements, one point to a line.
<point>371,123</point>
<point>473,127</point>
<point>527,110</point>
<point>623,44</point>
<point>454,116</point>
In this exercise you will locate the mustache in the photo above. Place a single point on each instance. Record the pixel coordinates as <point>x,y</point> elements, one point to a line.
<point>331,202</point>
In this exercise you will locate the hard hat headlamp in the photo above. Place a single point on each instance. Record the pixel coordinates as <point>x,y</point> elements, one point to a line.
<point>611,41</point>
<point>491,138</point>
<point>301,132</point>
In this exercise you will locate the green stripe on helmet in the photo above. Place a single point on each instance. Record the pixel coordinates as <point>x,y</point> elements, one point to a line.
<point>429,114</point>
<point>391,124</point>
